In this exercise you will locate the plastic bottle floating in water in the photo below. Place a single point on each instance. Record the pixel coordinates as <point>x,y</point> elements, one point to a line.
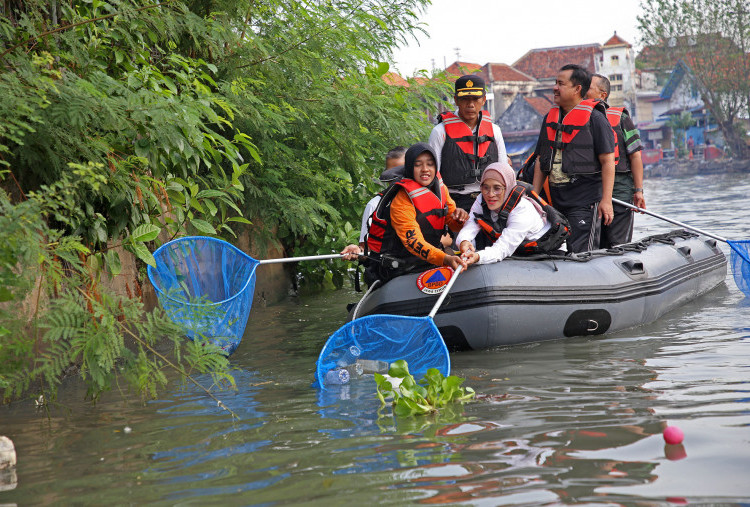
<point>337,376</point>
<point>374,366</point>
<point>355,369</point>
<point>350,355</point>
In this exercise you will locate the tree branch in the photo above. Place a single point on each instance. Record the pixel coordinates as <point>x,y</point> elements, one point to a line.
<point>168,362</point>
<point>298,44</point>
<point>85,22</point>
<point>178,369</point>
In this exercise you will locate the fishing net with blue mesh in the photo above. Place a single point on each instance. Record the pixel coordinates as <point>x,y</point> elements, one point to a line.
<point>205,285</point>
<point>741,264</point>
<point>380,340</point>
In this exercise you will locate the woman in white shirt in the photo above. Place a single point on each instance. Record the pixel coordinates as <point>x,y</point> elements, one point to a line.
<point>495,233</point>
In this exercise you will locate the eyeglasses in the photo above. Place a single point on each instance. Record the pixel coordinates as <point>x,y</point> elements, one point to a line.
<point>497,190</point>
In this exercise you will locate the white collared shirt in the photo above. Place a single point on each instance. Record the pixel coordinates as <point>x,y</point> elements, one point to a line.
<point>524,223</point>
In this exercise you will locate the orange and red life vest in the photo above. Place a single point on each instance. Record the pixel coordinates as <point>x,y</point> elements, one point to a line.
<point>465,154</point>
<point>622,162</point>
<point>431,213</point>
<point>576,140</point>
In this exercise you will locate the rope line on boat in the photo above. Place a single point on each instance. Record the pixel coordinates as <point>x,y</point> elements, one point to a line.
<point>667,238</point>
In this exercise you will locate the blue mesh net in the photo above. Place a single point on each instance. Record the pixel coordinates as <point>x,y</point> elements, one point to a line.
<point>206,287</point>
<point>741,264</point>
<point>375,341</point>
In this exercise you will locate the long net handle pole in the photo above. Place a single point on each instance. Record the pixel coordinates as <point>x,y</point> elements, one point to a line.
<point>298,259</point>
<point>445,292</point>
<point>686,226</point>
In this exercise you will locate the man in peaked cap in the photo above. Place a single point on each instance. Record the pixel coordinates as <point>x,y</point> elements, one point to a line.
<point>466,141</point>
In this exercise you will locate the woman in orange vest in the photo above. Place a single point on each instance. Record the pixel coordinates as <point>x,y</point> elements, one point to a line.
<point>411,218</point>
<point>422,209</point>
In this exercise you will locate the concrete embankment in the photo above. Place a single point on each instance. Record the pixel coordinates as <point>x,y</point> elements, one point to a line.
<point>694,167</point>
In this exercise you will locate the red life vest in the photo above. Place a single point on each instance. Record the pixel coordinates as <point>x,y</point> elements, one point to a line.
<point>465,155</point>
<point>576,142</point>
<point>614,115</point>
<point>431,213</point>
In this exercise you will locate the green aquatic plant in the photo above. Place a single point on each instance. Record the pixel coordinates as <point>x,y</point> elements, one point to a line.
<point>428,395</point>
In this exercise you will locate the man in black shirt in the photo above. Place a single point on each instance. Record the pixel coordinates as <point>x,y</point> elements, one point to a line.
<point>576,152</point>
<point>628,169</point>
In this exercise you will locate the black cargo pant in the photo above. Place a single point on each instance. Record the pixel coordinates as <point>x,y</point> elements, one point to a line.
<point>585,227</point>
<point>620,230</point>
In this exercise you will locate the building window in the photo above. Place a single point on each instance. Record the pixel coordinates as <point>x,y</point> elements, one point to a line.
<point>615,60</point>
<point>617,88</point>
<point>615,77</point>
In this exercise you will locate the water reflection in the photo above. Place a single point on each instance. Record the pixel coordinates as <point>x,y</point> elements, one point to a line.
<point>546,425</point>
<point>569,422</point>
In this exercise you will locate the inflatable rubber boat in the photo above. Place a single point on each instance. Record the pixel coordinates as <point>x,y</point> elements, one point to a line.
<point>549,297</point>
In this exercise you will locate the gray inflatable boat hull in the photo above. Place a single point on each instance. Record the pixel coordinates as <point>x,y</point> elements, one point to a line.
<point>520,300</point>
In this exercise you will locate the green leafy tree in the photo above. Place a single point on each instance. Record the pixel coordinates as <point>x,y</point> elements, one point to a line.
<point>81,327</point>
<point>126,122</point>
<point>713,38</point>
<point>309,90</point>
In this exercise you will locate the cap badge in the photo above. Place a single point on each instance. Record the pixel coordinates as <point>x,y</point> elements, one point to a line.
<point>469,83</point>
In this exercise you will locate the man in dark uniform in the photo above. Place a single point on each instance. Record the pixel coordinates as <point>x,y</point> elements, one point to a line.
<point>466,141</point>
<point>628,169</point>
<point>576,152</point>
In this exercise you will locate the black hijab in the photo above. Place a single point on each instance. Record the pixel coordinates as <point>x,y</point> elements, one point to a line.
<point>410,158</point>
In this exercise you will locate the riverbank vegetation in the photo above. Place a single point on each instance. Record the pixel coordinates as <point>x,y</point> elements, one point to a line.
<point>127,123</point>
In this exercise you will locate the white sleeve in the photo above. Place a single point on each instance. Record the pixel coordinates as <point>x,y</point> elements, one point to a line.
<point>471,228</point>
<point>437,140</point>
<point>521,222</point>
<point>502,153</point>
<point>369,208</point>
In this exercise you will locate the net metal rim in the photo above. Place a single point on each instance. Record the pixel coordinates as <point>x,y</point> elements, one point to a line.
<point>161,293</point>
<point>319,373</point>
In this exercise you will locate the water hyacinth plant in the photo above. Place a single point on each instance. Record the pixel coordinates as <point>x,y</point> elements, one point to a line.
<point>430,394</point>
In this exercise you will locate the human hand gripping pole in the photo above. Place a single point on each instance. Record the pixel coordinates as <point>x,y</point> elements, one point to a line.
<point>384,339</point>
<point>740,248</point>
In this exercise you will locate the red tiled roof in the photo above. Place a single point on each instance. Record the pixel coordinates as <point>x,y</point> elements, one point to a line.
<point>616,40</point>
<point>543,63</point>
<point>458,69</point>
<point>394,79</point>
<point>503,72</point>
<point>540,104</point>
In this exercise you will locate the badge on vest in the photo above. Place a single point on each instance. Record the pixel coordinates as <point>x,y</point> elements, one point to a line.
<point>433,281</point>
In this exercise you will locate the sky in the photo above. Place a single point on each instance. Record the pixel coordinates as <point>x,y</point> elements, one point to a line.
<point>502,31</point>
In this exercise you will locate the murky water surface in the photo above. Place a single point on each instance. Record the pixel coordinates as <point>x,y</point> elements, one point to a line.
<point>568,422</point>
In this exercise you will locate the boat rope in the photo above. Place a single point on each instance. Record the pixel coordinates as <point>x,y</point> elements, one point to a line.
<point>667,238</point>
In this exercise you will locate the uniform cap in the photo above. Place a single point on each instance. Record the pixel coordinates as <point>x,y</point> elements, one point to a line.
<point>470,85</point>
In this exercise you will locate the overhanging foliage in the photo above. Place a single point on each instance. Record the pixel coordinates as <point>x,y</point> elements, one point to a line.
<point>128,122</point>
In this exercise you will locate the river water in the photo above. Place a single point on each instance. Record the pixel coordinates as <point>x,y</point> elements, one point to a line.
<point>575,421</point>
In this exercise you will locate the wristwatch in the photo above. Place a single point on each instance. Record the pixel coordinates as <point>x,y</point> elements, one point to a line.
<point>638,190</point>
